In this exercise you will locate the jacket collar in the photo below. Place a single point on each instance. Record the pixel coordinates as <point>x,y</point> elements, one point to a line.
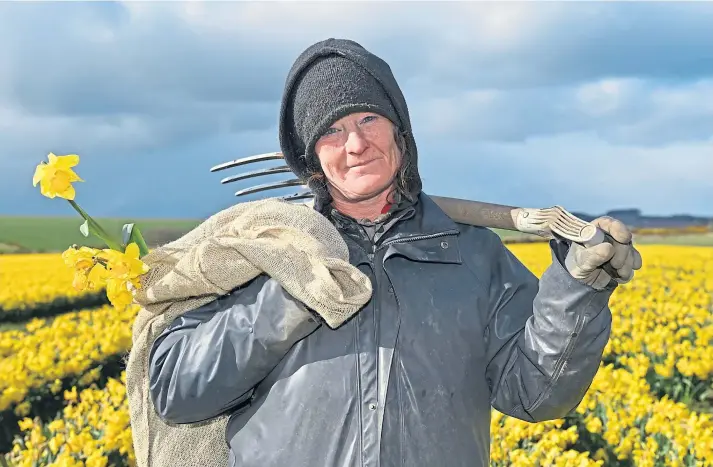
<point>409,233</point>
<point>426,219</point>
<point>423,217</point>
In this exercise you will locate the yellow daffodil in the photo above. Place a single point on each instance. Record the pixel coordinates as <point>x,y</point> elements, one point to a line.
<point>79,257</point>
<point>56,177</point>
<point>118,272</point>
<point>125,265</point>
<point>97,277</point>
<point>71,395</point>
<point>83,260</point>
<point>26,424</point>
<point>117,290</point>
<point>122,274</point>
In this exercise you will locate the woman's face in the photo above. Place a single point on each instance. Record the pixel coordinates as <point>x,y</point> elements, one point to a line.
<point>359,156</point>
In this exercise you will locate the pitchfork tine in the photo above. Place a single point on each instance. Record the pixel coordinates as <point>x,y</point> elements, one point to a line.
<point>299,195</point>
<point>247,160</point>
<point>257,173</point>
<point>269,186</point>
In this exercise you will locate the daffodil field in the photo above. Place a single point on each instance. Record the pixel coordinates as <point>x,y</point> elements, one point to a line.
<point>63,400</point>
<point>36,285</point>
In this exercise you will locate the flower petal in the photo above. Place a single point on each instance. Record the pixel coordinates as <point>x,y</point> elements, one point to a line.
<point>46,188</point>
<point>80,281</point>
<point>67,193</point>
<point>132,250</point>
<point>65,162</point>
<point>39,173</point>
<point>73,177</point>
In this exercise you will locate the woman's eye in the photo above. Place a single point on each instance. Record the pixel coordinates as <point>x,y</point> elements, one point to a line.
<point>369,118</point>
<point>329,131</point>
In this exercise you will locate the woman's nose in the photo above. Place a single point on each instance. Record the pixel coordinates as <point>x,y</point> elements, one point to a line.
<point>356,143</point>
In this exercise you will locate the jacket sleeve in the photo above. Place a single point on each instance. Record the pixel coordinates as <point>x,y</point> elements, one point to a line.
<point>208,360</point>
<point>544,339</point>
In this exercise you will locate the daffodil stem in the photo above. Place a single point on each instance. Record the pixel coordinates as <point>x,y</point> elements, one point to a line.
<point>99,231</point>
<point>143,248</point>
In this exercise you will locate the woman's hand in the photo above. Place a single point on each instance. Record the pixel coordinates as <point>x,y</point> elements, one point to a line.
<point>585,263</point>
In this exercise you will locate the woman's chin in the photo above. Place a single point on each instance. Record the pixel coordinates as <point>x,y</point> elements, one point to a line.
<point>365,188</point>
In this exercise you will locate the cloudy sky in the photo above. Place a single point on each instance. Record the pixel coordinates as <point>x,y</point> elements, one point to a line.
<point>590,105</point>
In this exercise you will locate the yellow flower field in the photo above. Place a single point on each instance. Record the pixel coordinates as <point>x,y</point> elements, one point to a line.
<point>70,345</point>
<point>637,410</point>
<point>93,427</point>
<point>664,314</point>
<point>32,279</point>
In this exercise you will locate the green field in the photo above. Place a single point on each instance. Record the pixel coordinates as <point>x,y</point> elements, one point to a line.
<point>699,239</point>
<point>56,234</point>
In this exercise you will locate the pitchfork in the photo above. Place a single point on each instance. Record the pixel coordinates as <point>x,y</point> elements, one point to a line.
<point>548,223</point>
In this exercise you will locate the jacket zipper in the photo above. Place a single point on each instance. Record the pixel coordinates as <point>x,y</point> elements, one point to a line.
<point>559,366</point>
<point>361,402</point>
<point>375,320</point>
<point>358,363</point>
<point>371,259</point>
<point>416,238</point>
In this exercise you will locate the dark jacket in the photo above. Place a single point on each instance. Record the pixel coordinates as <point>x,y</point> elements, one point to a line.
<point>456,325</point>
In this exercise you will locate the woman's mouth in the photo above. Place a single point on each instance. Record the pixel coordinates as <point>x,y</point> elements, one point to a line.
<point>362,164</point>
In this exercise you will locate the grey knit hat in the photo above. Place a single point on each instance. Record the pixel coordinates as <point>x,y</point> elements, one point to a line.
<point>331,88</point>
<point>329,80</point>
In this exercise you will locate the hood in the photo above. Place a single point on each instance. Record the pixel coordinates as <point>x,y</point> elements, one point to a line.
<point>382,73</point>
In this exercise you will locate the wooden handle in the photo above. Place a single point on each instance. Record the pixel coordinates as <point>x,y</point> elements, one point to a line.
<point>478,213</point>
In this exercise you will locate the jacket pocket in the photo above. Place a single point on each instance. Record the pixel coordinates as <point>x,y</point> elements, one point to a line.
<point>243,406</point>
<point>236,412</point>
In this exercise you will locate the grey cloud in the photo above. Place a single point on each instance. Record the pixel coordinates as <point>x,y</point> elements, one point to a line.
<point>126,67</point>
<point>155,75</point>
<point>123,63</point>
<point>575,42</point>
<point>579,170</point>
<point>620,111</point>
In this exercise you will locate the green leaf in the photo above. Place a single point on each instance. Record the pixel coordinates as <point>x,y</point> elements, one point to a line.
<point>84,228</point>
<point>132,234</point>
<point>94,228</point>
<point>89,228</point>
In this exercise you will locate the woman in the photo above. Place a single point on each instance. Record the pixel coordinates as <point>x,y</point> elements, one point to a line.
<point>456,324</point>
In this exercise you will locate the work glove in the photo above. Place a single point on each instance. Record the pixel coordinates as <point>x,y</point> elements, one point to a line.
<point>585,263</point>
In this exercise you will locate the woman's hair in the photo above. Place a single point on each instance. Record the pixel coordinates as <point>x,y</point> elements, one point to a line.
<point>404,174</point>
<point>401,185</point>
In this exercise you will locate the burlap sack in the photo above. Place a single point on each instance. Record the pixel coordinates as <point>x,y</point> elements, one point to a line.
<point>291,243</point>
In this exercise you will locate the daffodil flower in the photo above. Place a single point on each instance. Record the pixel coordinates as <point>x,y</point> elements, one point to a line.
<point>56,177</point>
<point>82,258</point>
<point>123,272</point>
<point>88,271</point>
<point>119,272</point>
<point>125,265</point>
<point>118,292</point>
